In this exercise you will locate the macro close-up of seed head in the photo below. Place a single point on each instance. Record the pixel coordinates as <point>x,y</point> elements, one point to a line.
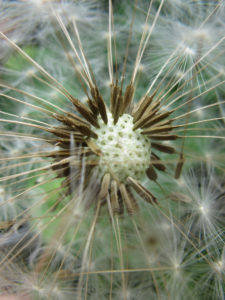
<point>112,182</point>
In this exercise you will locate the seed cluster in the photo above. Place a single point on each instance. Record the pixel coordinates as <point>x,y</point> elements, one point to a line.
<point>125,152</point>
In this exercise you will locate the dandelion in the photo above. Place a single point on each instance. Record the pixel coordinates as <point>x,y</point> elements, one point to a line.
<point>97,126</point>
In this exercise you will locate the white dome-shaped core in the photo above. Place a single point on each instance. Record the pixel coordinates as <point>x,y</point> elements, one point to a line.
<point>125,152</point>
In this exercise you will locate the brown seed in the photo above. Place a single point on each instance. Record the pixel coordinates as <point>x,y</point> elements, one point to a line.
<point>151,109</point>
<point>100,103</point>
<point>139,123</point>
<point>104,187</point>
<point>118,108</point>
<point>93,107</point>
<point>89,166</point>
<point>127,199</point>
<point>158,129</point>
<point>115,91</point>
<point>59,153</point>
<point>142,191</point>
<point>156,162</point>
<point>94,148</point>
<point>157,118</point>
<point>132,199</point>
<point>85,112</point>
<point>60,132</point>
<point>151,173</point>
<point>179,166</point>
<point>168,137</point>
<point>127,99</point>
<point>86,130</point>
<point>163,148</point>
<point>69,119</point>
<point>142,106</point>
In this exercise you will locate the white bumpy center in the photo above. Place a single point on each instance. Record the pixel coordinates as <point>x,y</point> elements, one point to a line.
<point>125,152</point>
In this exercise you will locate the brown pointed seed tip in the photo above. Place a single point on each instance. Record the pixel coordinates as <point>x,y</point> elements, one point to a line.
<point>93,107</point>
<point>128,98</point>
<point>104,187</point>
<point>60,132</point>
<point>142,191</point>
<point>163,148</point>
<point>151,173</point>
<point>158,129</point>
<point>179,167</point>
<point>156,119</point>
<point>86,130</point>
<point>85,112</point>
<point>115,91</point>
<point>148,113</point>
<point>127,199</point>
<point>100,103</point>
<point>166,137</point>
<point>133,200</point>
<point>94,148</point>
<point>118,108</point>
<point>141,107</point>
<point>156,162</point>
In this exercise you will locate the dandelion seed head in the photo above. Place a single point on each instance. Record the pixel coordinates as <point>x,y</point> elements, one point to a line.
<point>146,28</point>
<point>201,34</point>
<point>39,291</point>
<point>165,226</point>
<point>28,73</point>
<point>179,74</point>
<point>107,83</point>
<point>204,210</point>
<point>125,152</point>
<point>219,266</point>
<point>141,68</point>
<point>221,70</point>
<point>188,50</point>
<point>181,182</point>
<point>199,112</point>
<point>176,268</point>
<point>197,37</point>
<point>158,67</point>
